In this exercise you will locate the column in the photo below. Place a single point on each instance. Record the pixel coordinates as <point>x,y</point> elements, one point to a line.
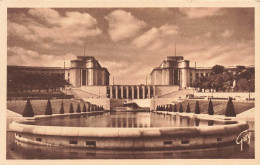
<point>122,92</point>
<point>149,92</point>
<point>127,92</point>
<point>138,92</point>
<point>133,91</point>
<point>143,89</point>
<point>116,92</point>
<point>111,92</point>
<point>154,92</point>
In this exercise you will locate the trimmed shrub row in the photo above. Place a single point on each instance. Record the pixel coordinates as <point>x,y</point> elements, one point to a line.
<point>230,111</point>
<point>28,110</point>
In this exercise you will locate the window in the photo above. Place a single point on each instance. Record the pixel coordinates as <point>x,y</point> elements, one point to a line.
<point>91,143</point>
<point>219,139</point>
<point>197,75</point>
<point>185,142</point>
<point>167,143</point>
<point>39,139</point>
<point>73,142</point>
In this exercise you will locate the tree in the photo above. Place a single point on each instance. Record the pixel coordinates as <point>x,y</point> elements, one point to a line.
<point>78,108</point>
<point>71,108</point>
<point>188,108</point>
<point>62,108</point>
<point>210,108</point>
<point>197,108</point>
<point>180,108</point>
<point>28,110</point>
<point>175,108</point>
<point>230,110</point>
<point>242,85</point>
<point>217,69</point>
<point>48,110</point>
<point>84,108</point>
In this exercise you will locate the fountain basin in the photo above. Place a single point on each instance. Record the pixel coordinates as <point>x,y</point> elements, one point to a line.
<point>134,138</point>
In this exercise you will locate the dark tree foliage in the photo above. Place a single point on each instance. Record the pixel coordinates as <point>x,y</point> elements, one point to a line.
<point>170,108</point>
<point>28,110</point>
<point>197,108</point>
<point>84,108</point>
<point>166,108</point>
<point>217,69</point>
<point>210,108</point>
<point>175,108</point>
<point>48,110</point>
<point>188,108</point>
<point>78,109</point>
<point>62,108</point>
<point>71,108</point>
<point>180,108</point>
<point>220,79</point>
<point>230,110</point>
<point>197,121</point>
<point>88,107</point>
<point>22,81</point>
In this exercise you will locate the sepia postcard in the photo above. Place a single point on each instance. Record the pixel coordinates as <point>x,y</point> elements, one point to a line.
<point>129,82</point>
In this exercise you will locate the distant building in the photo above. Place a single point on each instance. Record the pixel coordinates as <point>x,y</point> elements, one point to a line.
<point>176,71</point>
<point>86,71</point>
<point>83,71</point>
<point>86,74</point>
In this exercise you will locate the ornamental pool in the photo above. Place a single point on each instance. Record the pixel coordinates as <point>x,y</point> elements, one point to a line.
<point>126,135</point>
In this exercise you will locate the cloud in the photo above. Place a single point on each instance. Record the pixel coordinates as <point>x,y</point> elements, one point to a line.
<point>226,54</point>
<point>226,34</point>
<point>201,12</point>
<point>45,14</point>
<point>123,25</point>
<point>74,27</point>
<point>19,55</point>
<point>155,38</point>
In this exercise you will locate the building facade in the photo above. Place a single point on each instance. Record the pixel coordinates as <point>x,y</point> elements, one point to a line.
<point>176,71</point>
<point>86,71</point>
<point>86,75</point>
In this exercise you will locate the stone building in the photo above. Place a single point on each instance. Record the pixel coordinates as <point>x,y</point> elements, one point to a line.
<point>176,71</point>
<point>86,71</point>
<point>90,80</point>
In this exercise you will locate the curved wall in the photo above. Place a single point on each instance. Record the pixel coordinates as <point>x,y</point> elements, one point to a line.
<point>123,138</point>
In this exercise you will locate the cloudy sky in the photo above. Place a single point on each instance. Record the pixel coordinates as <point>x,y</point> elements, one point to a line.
<point>130,42</point>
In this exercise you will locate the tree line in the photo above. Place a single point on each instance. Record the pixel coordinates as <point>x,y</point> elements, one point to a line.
<point>27,82</point>
<point>239,79</point>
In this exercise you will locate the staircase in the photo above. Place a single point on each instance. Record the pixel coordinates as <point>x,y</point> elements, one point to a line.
<point>176,94</point>
<point>79,94</point>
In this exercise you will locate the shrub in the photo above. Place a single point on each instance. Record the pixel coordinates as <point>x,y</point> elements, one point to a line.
<point>48,110</point>
<point>180,108</point>
<point>230,110</point>
<point>175,108</point>
<point>88,107</point>
<point>71,108</point>
<point>170,109</point>
<point>188,108</point>
<point>197,108</point>
<point>28,111</point>
<point>78,109</point>
<point>210,108</point>
<point>62,108</point>
<point>84,108</point>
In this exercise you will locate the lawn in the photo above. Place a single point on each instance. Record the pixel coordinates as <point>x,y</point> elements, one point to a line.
<point>39,106</point>
<point>218,106</point>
